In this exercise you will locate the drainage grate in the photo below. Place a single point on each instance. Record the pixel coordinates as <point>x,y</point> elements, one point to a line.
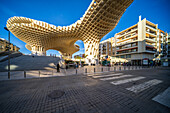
<point>56,94</point>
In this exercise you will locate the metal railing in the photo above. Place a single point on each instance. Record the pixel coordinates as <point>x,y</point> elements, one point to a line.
<point>99,69</point>
<point>66,72</point>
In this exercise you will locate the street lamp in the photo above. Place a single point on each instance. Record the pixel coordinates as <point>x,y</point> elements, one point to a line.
<point>8,51</point>
<point>80,59</point>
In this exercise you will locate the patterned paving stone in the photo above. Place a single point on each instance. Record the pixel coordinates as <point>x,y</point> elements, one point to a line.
<point>83,94</point>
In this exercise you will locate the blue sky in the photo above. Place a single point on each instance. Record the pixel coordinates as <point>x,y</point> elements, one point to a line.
<point>66,12</point>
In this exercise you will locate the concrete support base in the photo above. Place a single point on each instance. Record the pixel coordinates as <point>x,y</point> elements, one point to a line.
<point>91,51</point>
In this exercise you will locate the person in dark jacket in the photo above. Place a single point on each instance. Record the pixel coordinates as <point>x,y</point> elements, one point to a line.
<point>58,68</point>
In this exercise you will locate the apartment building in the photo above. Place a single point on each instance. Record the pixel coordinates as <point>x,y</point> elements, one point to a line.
<point>137,42</point>
<point>105,49</point>
<point>161,43</point>
<point>168,50</point>
<point>141,41</point>
<point>168,47</point>
<point>165,53</point>
<point>4,46</point>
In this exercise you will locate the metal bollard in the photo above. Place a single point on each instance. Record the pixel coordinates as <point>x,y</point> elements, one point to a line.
<point>76,71</point>
<point>102,69</point>
<point>52,72</point>
<point>39,73</point>
<point>124,68</point>
<point>108,68</point>
<point>119,68</point>
<point>114,68</point>
<point>24,74</point>
<point>136,67</point>
<point>94,70</point>
<point>9,75</point>
<point>86,70</point>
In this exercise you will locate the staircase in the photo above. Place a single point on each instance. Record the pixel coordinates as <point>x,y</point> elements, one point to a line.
<point>27,62</point>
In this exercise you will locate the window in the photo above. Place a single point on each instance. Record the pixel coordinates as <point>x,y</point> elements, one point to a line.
<point>134,39</point>
<point>133,50</point>
<point>126,46</point>
<point>128,36</point>
<point>122,56</point>
<point>128,56</point>
<point>134,44</point>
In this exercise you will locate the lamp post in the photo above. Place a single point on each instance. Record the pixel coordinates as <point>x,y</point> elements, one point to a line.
<point>80,59</point>
<point>8,51</point>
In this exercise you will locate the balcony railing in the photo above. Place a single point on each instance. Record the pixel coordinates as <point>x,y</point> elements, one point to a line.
<point>123,49</point>
<point>150,45</point>
<point>153,34</point>
<point>151,27</point>
<point>127,42</point>
<point>150,40</point>
<point>149,51</point>
<point>127,38</point>
<point>131,52</point>
<point>127,33</point>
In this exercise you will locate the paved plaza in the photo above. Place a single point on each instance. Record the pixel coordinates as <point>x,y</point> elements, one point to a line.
<point>126,91</point>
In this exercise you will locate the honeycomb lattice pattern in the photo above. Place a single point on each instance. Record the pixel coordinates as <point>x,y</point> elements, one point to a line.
<point>100,18</point>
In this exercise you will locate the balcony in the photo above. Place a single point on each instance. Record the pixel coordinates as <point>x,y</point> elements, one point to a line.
<point>132,52</point>
<point>152,34</point>
<point>151,46</point>
<point>127,33</point>
<point>134,47</point>
<point>131,37</point>
<point>127,42</point>
<point>150,40</point>
<point>152,28</point>
<point>150,24</point>
<point>149,51</point>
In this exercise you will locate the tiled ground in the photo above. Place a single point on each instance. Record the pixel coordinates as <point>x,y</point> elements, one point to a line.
<point>83,94</point>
